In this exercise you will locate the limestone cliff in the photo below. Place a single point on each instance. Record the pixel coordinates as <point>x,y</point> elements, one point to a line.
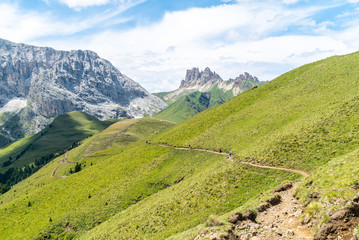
<point>52,82</point>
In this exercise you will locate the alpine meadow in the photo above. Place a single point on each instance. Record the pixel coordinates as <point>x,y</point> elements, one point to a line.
<point>179,120</point>
<point>125,188</point>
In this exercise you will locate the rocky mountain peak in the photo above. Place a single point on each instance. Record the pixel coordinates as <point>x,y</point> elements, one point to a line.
<point>245,76</point>
<point>194,77</point>
<point>83,54</point>
<point>55,82</point>
<point>206,80</point>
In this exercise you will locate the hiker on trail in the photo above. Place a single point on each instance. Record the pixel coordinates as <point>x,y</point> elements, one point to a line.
<point>146,142</point>
<point>230,155</point>
<point>189,146</point>
<point>220,150</point>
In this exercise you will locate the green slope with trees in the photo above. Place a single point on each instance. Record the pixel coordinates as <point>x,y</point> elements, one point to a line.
<point>126,189</point>
<point>150,191</point>
<point>21,158</point>
<point>193,103</point>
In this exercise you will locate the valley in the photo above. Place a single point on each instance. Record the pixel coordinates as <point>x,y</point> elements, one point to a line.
<point>155,178</point>
<point>292,172</point>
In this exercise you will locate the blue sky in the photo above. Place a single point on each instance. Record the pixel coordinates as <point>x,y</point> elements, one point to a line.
<point>155,41</point>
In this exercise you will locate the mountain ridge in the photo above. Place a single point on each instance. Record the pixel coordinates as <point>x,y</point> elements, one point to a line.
<point>306,119</point>
<point>55,82</point>
<point>201,90</point>
<point>205,80</point>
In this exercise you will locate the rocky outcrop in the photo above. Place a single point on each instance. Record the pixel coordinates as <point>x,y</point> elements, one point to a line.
<point>342,223</point>
<point>194,77</point>
<point>206,80</point>
<point>56,82</point>
<point>245,76</point>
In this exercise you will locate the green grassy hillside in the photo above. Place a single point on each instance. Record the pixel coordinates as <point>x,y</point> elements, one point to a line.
<point>184,108</point>
<point>150,191</point>
<point>162,96</point>
<point>305,119</point>
<point>126,189</point>
<point>24,157</point>
<point>193,103</point>
<point>302,119</point>
<point>65,130</point>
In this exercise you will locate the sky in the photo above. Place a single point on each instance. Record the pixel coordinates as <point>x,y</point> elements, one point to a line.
<point>154,42</point>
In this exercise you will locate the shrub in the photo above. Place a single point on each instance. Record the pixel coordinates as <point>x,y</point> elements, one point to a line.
<point>313,208</point>
<point>78,167</point>
<point>213,221</point>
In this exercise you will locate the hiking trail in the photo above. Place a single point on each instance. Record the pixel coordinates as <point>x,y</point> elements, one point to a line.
<point>64,160</point>
<point>305,174</point>
<point>281,221</point>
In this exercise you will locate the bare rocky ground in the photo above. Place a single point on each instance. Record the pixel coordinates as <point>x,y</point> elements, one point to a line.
<point>342,223</point>
<point>282,218</point>
<point>281,221</point>
<point>279,218</point>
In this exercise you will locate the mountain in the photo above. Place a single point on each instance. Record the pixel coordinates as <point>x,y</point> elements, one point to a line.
<point>204,81</point>
<point>131,189</point>
<point>192,104</point>
<point>201,90</point>
<point>195,78</point>
<point>304,120</point>
<point>185,107</point>
<point>65,132</point>
<point>39,83</point>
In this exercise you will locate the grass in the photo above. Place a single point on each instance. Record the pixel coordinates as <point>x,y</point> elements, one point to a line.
<point>166,192</point>
<point>302,119</point>
<point>65,130</point>
<point>305,119</point>
<point>214,188</point>
<point>162,96</point>
<point>184,108</point>
<point>4,116</point>
<point>214,221</point>
<point>192,104</point>
<point>335,183</point>
<point>314,208</point>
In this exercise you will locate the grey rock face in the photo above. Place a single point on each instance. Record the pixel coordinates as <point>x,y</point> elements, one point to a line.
<point>56,82</point>
<point>204,81</point>
<point>196,78</point>
<point>245,76</point>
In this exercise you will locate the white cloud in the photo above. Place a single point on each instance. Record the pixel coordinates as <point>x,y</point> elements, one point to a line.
<point>22,26</point>
<point>78,4</point>
<point>291,1</point>
<point>26,26</point>
<point>230,39</point>
<point>206,36</point>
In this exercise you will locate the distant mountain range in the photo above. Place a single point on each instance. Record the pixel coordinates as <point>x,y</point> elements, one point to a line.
<point>39,83</point>
<point>297,134</point>
<point>201,90</point>
<point>206,80</point>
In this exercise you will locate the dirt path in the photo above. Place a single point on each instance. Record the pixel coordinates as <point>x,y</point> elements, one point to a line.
<point>305,174</point>
<point>64,160</point>
<point>281,221</point>
<point>54,172</point>
<point>278,222</point>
